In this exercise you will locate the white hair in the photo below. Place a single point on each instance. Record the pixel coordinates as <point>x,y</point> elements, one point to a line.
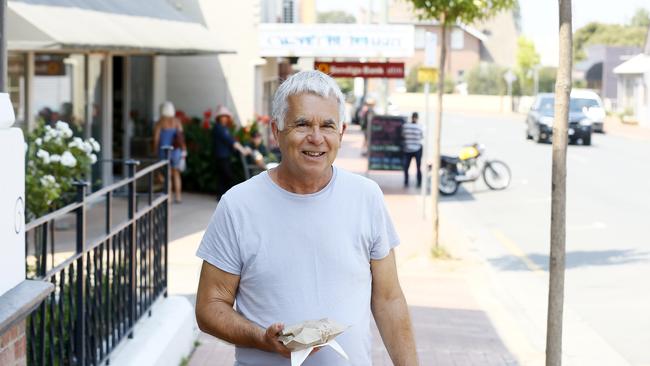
<point>310,81</point>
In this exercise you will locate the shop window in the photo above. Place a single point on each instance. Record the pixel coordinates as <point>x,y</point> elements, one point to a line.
<point>17,81</point>
<point>457,39</point>
<point>59,90</point>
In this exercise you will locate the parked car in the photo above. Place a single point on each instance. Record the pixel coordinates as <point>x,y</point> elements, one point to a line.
<point>583,110</point>
<point>590,103</point>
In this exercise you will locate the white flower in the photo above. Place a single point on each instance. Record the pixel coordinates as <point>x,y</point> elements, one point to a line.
<point>67,133</point>
<point>93,158</point>
<point>76,142</point>
<point>95,144</point>
<point>43,155</point>
<point>87,147</point>
<point>38,141</point>
<point>67,159</point>
<point>48,180</point>
<point>55,158</point>
<point>60,125</point>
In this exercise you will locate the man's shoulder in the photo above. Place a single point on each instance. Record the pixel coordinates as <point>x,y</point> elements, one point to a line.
<point>246,190</point>
<point>357,182</point>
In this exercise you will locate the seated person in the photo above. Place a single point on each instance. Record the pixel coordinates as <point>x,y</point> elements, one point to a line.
<point>260,153</point>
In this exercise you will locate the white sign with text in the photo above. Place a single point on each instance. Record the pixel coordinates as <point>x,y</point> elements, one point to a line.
<point>335,40</point>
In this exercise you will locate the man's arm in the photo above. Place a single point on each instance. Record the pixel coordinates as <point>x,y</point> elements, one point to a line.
<point>215,314</point>
<point>391,312</point>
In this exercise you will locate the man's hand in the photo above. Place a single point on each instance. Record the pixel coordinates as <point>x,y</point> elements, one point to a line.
<point>272,343</point>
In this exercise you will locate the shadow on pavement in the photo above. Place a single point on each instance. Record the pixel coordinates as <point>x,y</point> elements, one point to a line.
<point>574,259</point>
<point>451,337</point>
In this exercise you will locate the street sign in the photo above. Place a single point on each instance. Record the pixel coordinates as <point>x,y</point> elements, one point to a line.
<point>430,49</point>
<point>361,69</point>
<point>427,75</point>
<point>510,77</point>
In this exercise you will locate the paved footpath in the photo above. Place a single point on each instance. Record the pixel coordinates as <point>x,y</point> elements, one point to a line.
<point>450,316</point>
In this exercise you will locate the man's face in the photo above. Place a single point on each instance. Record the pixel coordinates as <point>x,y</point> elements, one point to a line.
<point>311,137</point>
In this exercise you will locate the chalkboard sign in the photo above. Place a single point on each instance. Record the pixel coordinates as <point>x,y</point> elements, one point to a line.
<point>385,148</point>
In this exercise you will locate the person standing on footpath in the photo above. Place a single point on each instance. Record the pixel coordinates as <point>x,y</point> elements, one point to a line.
<point>223,146</point>
<point>412,136</point>
<point>302,241</point>
<point>168,131</point>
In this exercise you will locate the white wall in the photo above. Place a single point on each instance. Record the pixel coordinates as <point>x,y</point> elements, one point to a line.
<point>196,83</point>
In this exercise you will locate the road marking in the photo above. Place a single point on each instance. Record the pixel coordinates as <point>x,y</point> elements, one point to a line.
<point>514,250</point>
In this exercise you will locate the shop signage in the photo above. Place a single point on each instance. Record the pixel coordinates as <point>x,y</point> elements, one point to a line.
<point>361,69</point>
<point>385,149</point>
<point>335,40</point>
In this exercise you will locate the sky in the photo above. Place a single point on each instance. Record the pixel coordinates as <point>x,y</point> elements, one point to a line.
<point>539,18</point>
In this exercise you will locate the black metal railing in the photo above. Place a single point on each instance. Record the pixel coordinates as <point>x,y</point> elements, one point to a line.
<point>105,283</point>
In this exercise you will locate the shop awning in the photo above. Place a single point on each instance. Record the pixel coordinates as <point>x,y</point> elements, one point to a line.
<point>639,64</point>
<point>122,25</point>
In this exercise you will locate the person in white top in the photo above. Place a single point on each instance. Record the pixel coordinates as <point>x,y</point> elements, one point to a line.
<point>304,241</point>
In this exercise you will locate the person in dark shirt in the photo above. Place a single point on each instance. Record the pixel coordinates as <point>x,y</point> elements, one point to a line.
<point>224,145</point>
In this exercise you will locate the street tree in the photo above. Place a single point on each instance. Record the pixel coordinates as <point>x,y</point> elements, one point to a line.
<point>527,62</point>
<point>641,18</point>
<point>447,14</point>
<point>632,34</point>
<point>558,191</point>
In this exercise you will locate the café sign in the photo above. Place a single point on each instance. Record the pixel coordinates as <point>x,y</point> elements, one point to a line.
<point>335,40</point>
<point>361,69</point>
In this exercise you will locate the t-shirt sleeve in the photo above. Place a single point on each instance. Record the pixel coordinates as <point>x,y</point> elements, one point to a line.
<point>385,236</point>
<point>220,243</point>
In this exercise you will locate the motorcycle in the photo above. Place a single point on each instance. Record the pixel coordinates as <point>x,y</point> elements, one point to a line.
<point>469,166</point>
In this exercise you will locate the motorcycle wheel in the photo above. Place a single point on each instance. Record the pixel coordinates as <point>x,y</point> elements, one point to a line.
<point>447,185</point>
<point>496,175</point>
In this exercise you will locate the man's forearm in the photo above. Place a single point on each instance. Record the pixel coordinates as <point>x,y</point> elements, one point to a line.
<point>222,321</point>
<point>394,324</point>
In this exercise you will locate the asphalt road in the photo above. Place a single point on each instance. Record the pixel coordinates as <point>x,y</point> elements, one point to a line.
<point>608,231</point>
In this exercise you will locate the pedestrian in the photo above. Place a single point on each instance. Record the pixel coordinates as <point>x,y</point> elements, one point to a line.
<point>367,114</point>
<point>168,132</point>
<point>412,136</point>
<point>304,240</point>
<point>224,145</point>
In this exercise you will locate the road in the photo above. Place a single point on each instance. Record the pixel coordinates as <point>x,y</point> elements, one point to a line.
<point>608,233</point>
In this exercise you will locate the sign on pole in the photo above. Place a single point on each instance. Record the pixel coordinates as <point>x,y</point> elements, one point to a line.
<point>427,75</point>
<point>430,49</point>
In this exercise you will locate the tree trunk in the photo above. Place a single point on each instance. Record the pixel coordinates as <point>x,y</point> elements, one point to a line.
<point>435,164</point>
<point>558,187</point>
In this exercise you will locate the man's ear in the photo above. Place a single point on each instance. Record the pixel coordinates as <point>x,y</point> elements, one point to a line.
<point>343,129</point>
<point>274,129</point>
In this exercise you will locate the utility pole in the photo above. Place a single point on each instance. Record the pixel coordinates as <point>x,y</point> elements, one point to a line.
<point>3,46</point>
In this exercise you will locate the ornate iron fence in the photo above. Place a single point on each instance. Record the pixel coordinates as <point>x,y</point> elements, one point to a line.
<point>105,284</point>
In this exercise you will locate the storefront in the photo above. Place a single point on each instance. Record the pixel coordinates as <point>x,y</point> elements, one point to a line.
<point>99,67</point>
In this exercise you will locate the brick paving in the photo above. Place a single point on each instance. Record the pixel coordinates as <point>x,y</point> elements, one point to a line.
<point>451,327</point>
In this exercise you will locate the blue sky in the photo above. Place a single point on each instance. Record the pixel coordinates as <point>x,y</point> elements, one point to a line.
<point>539,17</point>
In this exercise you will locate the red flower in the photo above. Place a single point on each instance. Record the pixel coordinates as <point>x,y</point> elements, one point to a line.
<point>206,124</point>
<point>207,114</point>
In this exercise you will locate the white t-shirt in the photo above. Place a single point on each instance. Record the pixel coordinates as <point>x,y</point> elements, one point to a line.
<point>302,257</point>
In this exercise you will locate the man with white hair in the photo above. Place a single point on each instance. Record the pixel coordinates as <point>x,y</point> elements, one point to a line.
<point>303,241</point>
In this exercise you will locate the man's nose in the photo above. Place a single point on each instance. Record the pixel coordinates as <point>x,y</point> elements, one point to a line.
<point>315,136</point>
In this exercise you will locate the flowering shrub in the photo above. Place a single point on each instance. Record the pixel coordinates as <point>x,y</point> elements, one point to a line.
<point>55,159</point>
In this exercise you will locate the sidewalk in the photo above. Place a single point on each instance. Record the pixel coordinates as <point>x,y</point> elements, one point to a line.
<point>451,323</point>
